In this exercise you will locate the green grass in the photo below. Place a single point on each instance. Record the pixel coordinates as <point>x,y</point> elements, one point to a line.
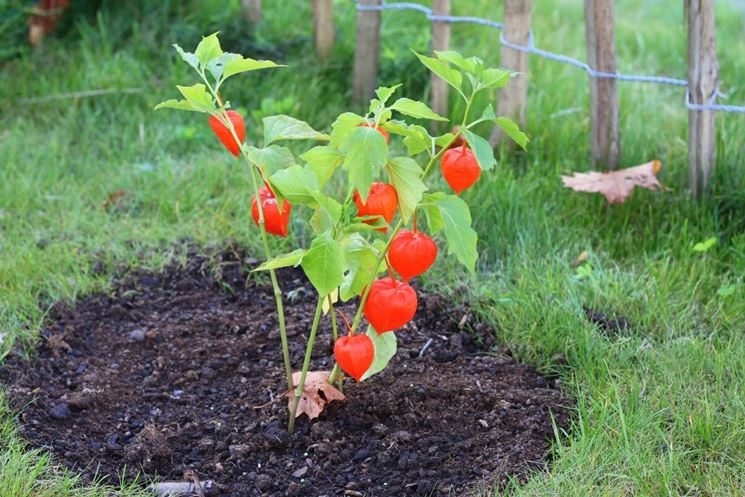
<point>660,407</point>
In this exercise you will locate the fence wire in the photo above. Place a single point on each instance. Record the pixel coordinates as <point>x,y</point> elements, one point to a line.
<point>530,48</point>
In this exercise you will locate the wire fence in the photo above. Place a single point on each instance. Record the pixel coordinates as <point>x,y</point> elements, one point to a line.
<point>530,48</point>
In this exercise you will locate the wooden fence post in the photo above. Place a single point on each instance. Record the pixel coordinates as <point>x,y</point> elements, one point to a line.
<point>601,55</point>
<point>323,28</point>
<point>440,42</point>
<point>252,10</point>
<point>514,96</point>
<point>366,52</point>
<point>703,75</point>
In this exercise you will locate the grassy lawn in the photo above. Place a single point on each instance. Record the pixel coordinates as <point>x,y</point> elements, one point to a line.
<point>660,406</point>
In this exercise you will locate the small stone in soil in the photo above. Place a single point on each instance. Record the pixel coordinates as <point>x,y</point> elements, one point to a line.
<point>60,411</point>
<point>137,335</point>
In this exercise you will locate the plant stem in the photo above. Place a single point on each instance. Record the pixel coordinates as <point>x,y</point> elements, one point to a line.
<point>276,288</point>
<point>335,333</point>
<point>265,242</point>
<point>306,364</point>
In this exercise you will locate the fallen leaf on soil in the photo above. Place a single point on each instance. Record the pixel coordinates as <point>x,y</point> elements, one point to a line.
<point>617,185</point>
<point>316,393</point>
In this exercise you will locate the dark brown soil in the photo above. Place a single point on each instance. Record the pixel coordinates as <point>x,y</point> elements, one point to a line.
<point>165,376</point>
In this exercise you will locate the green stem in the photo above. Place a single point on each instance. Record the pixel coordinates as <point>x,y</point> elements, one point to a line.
<point>335,333</point>
<point>306,365</point>
<point>265,242</point>
<point>276,288</point>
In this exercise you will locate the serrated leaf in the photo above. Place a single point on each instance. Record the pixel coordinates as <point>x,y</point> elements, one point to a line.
<point>282,127</point>
<point>481,149</point>
<point>242,64</point>
<point>344,124</point>
<point>217,66</point>
<point>297,184</point>
<point>405,176</point>
<point>323,161</point>
<point>512,130</point>
<point>188,57</point>
<point>449,75</point>
<point>461,238</point>
<point>384,93</point>
<point>365,152</point>
<point>386,346</point>
<point>361,261</point>
<point>197,96</point>
<point>285,260</point>
<point>488,114</point>
<point>416,137</point>
<point>414,108</point>
<point>324,264</point>
<point>208,49</point>
<point>272,158</point>
<point>457,60</point>
<point>177,104</point>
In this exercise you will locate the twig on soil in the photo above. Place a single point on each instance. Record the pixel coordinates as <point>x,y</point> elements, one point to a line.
<point>184,488</point>
<point>426,346</point>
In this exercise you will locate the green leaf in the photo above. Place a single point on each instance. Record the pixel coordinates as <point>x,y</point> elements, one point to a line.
<point>457,60</point>
<point>323,161</point>
<point>282,127</point>
<point>324,264</point>
<point>416,137</point>
<point>189,57</point>
<point>449,75</point>
<point>217,66</point>
<point>297,184</point>
<point>208,49</point>
<point>512,130</point>
<point>706,245</point>
<point>365,152</point>
<point>241,64</point>
<point>177,104</point>
<point>495,78</point>
<point>432,212</point>
<point>361,260</point>
<point>197,96</point>
<point>726,291</point>
<point>443,140</point>
<point>344,124</point>
<point>488,114</point>
<point>405,175</point>
<point>414,108</point>
<point>285,260</point>
<point>385,92</point>
<point>327,215</point>
<point>272,158</point>
<point>461,238</point>
<point>385,348</point>
<point>481,149</point>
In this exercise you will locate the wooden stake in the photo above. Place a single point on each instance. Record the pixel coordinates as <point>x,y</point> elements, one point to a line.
<point>252,10</point>
<point>601,55</point>
<point>514,97</point>
<point>323,28</point>
<point>366,52</point>
<point>440,42</point>
<point>703,76</point>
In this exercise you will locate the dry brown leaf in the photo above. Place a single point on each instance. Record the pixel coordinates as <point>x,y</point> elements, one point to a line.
<point>581,258</point>
<point>617,185</point>
<point>316,393</point>
<point>113,199</point>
